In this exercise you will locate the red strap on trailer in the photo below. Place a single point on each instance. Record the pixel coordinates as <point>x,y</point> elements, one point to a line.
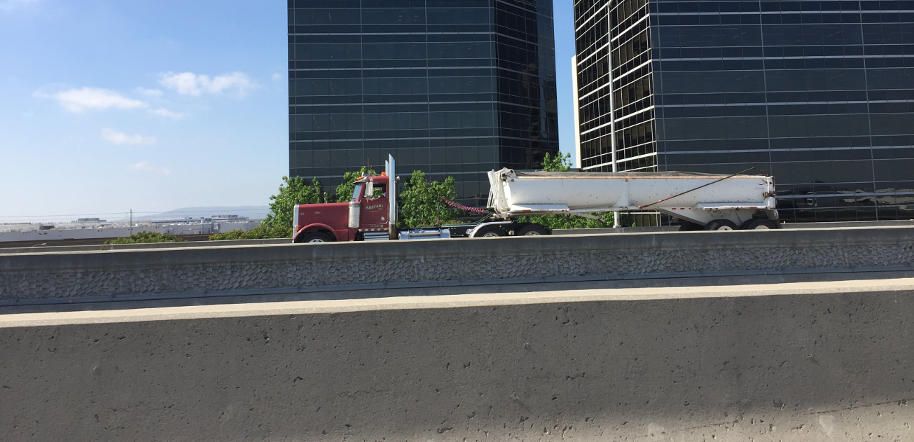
<point>468,209</point>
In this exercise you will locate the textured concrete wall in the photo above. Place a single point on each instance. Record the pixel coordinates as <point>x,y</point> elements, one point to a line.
<point>12,249</point>
<point>789,367</point>
<point>222,271</point>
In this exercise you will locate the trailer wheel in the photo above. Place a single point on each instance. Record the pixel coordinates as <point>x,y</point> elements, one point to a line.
<point>315,237</point>
<point>489,232</point>
<point>721,224</point>
<point>688,226</point>
<point>532,230</point>
<point>760,224</point>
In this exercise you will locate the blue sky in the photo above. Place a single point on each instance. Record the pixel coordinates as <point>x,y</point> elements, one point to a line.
<point>151,105</point>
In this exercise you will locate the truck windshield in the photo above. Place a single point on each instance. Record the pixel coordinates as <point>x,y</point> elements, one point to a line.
<point>357,191</point>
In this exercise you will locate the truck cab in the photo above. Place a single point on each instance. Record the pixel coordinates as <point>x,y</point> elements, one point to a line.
<point>367,211</point>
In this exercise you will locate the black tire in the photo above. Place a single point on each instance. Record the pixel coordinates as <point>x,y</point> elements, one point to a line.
<point>721,224</point>
<point>688,226</point>
<point>532,230</point>
<point>489,232</point>
<point>760,224</point>
<point>315,237</point>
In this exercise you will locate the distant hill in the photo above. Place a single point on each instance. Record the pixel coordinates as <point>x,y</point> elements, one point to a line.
<point>253,212</point>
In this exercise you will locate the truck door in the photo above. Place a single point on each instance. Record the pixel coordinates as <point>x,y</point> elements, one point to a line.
<point>374,208</point>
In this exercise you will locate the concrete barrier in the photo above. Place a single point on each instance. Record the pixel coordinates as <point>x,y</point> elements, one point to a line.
<point>808,361</point>
<point>7,249</point>
<point>309,270</point>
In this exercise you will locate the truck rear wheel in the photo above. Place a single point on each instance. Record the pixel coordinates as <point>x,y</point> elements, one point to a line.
<point>532,230</point>
<point>489,232</point>
<point>688,226</point>
<point>761,224</point>
<point>315,237</point>
<point>721,224</point>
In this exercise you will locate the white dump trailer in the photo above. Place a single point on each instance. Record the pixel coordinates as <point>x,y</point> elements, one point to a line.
<point>713,202</point>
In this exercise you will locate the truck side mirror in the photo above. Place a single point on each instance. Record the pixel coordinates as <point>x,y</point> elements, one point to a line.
<point>369,189</point>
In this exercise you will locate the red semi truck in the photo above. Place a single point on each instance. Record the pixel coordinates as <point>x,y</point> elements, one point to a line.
<point>370,214</point>
<point>699,201</point>
<point>367,212</point>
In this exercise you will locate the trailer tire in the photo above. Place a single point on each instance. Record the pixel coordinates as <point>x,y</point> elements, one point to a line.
<point>533,230</point>
<point>721,224</point>
<point>760,224</point>
<point>316,236</point>
<point>489,232</point>
<point>688,226</point>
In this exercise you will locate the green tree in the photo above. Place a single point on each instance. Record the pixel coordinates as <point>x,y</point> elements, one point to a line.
<point>292,191</point>
<point>259,232</point>
<point>143,238</point>
<point>421,201</point>
<point>561,162</point>
<point>230,235</point>
<point>278,223</point>
<point>345,189</point>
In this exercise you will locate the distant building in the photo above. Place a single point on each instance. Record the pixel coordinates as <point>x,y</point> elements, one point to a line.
<point>88,230</point>
<point>576,113</point>
<point>451,87</point>
<point>818,94</point>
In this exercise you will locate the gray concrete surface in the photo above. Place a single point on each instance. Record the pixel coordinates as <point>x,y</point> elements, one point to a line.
<point>844,224</point>
<point>162,245</point>
<point>5,249</point>
<point>10,248</point>
<point>127,275</point>
<point>800,361</point>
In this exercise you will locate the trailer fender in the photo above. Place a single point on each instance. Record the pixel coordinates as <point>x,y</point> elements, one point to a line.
<point>502,228</point>
<point>315,227</point>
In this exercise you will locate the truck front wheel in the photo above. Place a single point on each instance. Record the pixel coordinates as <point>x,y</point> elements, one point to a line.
<point>315,237</point>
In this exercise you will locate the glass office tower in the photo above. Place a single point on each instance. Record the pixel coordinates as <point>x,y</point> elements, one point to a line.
<point>450,87</point>
<point>820,94</point>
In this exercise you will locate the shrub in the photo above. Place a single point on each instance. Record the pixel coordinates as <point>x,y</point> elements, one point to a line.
<point>144,238</point>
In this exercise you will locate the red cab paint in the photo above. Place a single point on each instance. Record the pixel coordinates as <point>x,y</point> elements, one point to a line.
<point>366,211</point>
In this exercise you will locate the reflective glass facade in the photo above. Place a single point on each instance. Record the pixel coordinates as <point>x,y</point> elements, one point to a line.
<point>450,87</point>
<point>820,94</point>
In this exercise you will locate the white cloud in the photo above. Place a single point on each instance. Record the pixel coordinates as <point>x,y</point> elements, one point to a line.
<point>87,98</point>
<point>120,138</point>
<point>145,166</point>
<point>189,83</point>
<point>276,76</point>
<point>166,113</point>
<point>149,92</point>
